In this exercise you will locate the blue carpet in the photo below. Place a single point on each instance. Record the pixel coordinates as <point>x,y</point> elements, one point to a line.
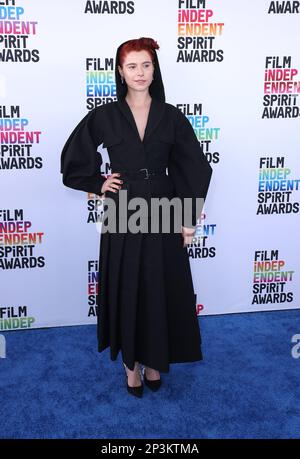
<point>55,384</point>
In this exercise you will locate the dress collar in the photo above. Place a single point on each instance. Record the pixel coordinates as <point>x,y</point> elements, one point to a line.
<point>156,111</point>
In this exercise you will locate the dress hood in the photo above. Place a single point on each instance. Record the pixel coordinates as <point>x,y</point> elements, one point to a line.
<point>156,89</point>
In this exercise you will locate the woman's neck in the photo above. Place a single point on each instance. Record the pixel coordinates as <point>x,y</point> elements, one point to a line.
<point>138,99</point>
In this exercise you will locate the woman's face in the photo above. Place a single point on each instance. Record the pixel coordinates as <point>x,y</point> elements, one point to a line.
<point>137,70</point>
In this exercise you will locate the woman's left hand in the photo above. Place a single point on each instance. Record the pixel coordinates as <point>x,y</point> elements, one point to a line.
<point>187,234</point>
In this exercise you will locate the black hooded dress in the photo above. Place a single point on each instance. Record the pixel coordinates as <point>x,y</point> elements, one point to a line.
<point>146,300</point>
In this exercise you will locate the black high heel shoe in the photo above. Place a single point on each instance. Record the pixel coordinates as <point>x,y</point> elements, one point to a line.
<point>137,390</point>
<point>153,385</point>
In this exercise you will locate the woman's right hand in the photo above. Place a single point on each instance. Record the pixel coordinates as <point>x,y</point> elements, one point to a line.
<point>112,183</point>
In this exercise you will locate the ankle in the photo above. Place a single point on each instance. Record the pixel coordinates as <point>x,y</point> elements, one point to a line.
<point>151,370</point>
<point>135,371</point>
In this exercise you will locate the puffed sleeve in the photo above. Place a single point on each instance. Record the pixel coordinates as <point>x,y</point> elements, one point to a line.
<point>188,168</point>
<point>80,161</point>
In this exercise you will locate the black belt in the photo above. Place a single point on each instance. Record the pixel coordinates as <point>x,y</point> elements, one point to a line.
<point>143,173</point>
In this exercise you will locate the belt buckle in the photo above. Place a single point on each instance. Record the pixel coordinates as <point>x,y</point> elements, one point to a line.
<point>145,169</point>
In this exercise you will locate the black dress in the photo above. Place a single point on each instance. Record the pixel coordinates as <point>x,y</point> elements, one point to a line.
<point>146,300</point>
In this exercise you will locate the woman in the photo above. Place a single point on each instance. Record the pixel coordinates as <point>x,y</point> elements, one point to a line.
<point>146,301</point>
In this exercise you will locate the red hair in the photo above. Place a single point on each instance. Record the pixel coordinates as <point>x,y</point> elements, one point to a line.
<point>138,44</point>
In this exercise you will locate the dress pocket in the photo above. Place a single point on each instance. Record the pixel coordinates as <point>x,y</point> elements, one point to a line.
<point>166,138</point>
<point>112,141</point>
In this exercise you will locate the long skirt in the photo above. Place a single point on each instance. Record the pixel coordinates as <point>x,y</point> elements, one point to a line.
<point>146,300</point>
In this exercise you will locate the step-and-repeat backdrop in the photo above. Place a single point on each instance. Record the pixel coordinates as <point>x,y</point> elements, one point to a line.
<point>233,69</point>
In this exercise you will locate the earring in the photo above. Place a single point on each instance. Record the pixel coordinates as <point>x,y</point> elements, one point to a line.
<point>122,80</point>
